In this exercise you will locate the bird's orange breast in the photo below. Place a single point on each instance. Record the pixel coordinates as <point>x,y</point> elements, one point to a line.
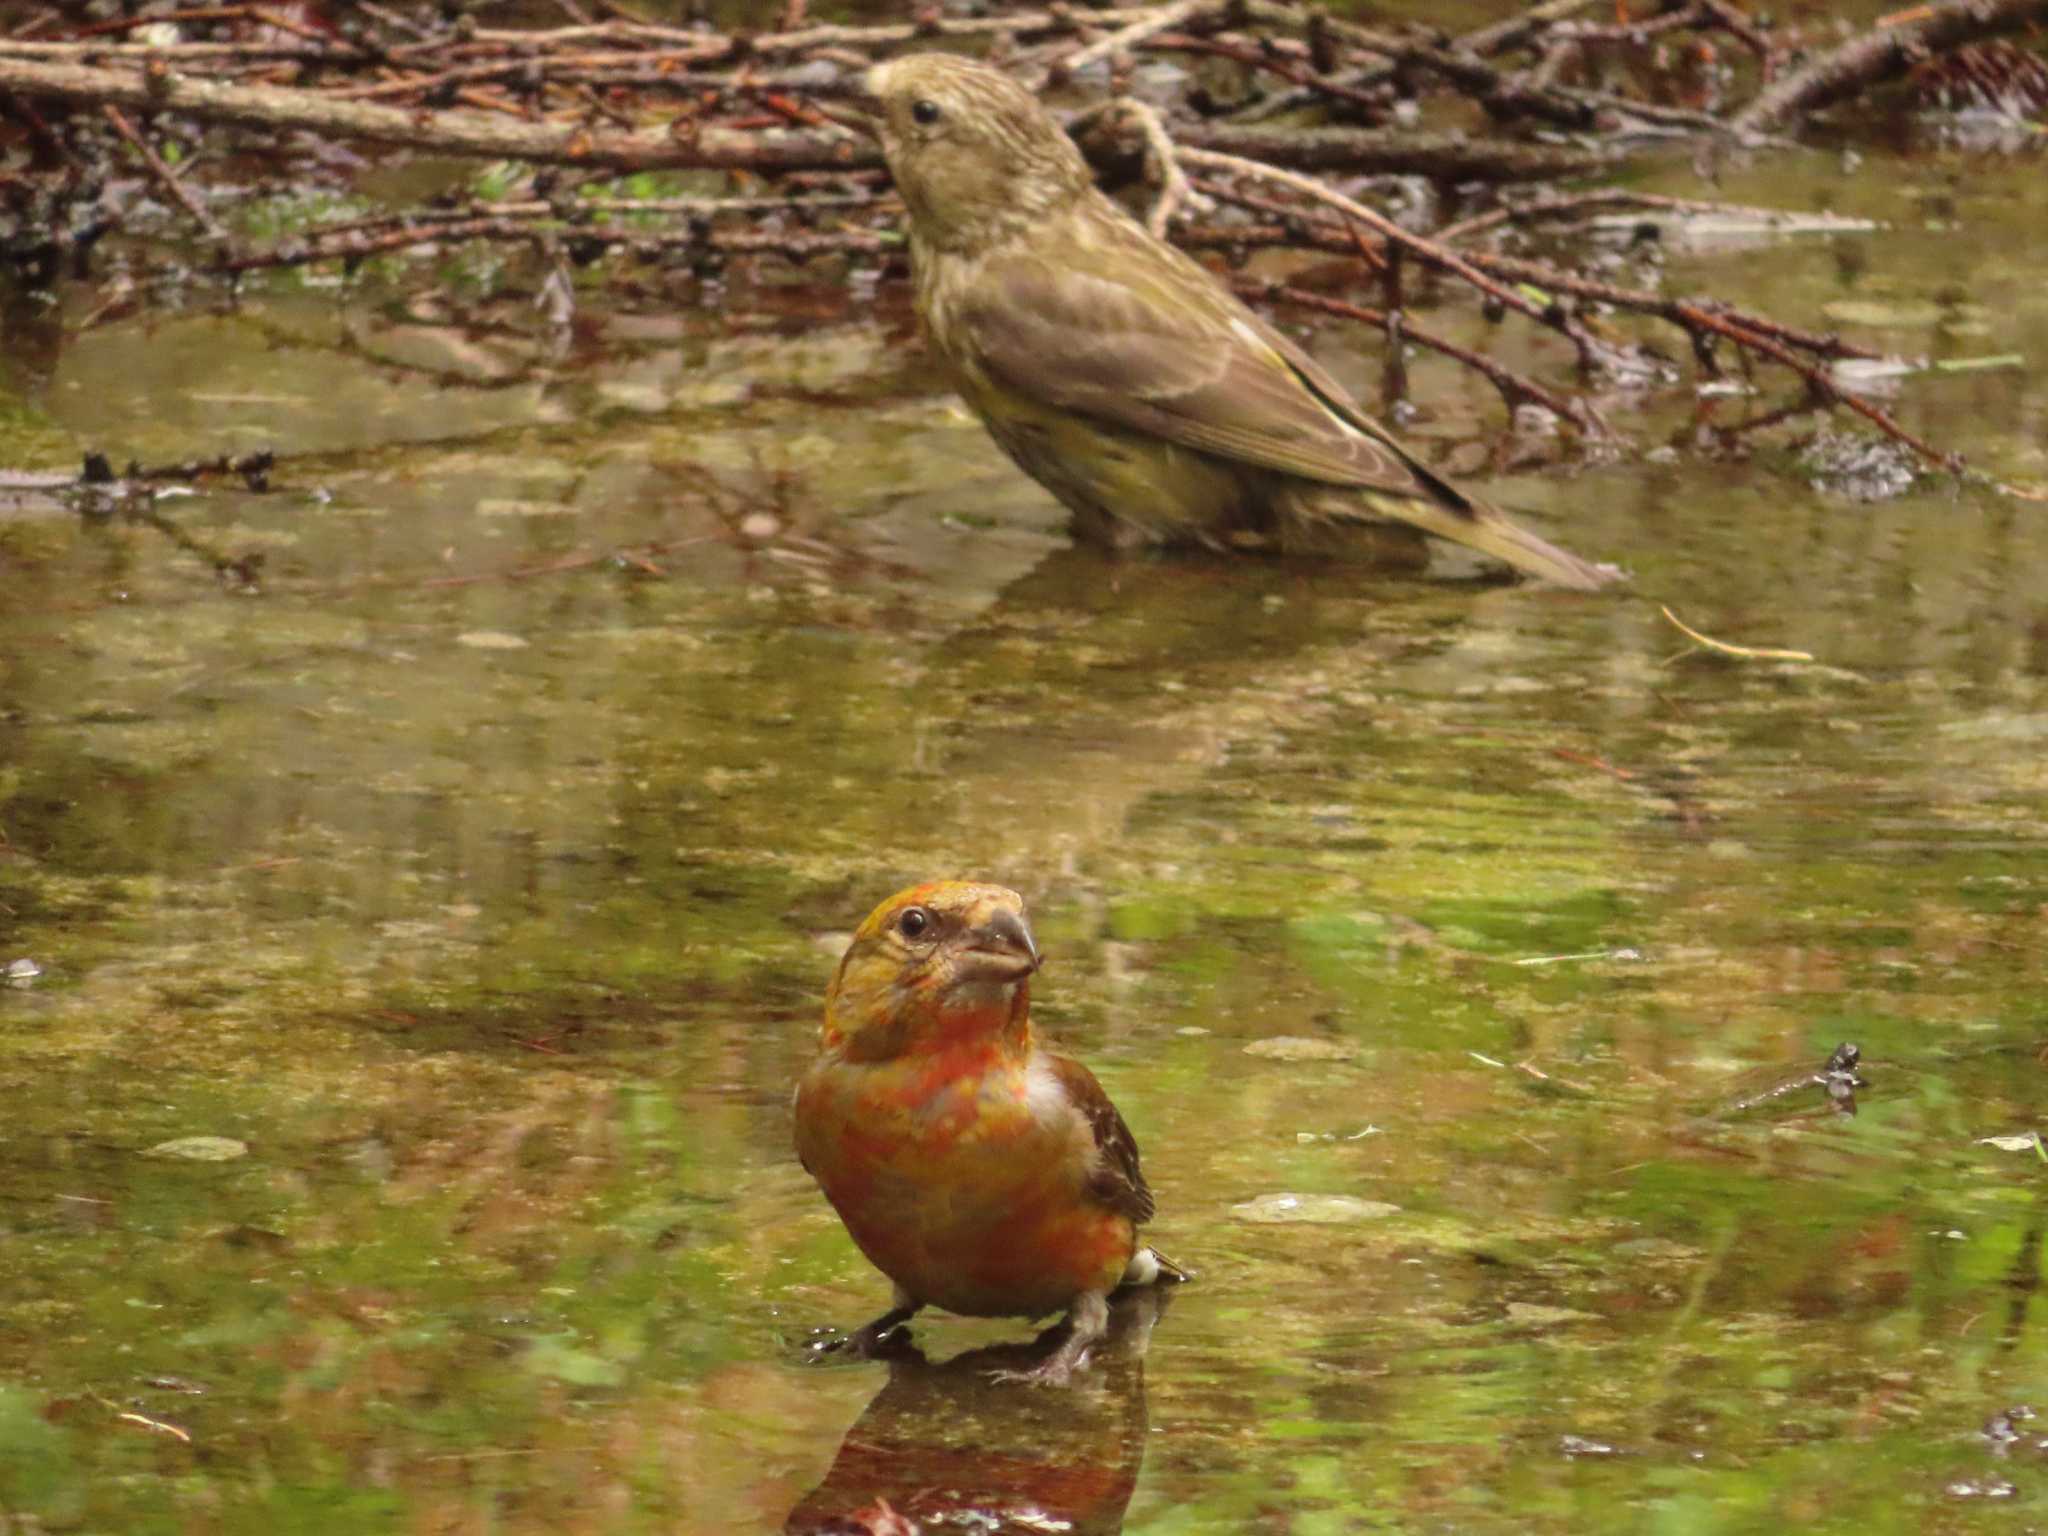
<point>963,1176</point>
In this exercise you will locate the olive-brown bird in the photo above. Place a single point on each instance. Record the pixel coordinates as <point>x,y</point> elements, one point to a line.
<point>1113,368</point>
<point>979,1171</point>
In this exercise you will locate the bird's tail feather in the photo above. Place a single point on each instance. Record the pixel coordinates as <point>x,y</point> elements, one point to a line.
<point>1149,1266</point>
<point>1488,531</point>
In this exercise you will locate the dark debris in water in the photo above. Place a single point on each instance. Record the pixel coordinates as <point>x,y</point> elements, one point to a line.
<point>1980,1488</point>
<point>2003,1429</point>
<point>1837,1078</point>
<point>100,494</point>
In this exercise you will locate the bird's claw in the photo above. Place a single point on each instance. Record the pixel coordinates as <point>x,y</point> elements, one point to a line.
<point>819,1349</point>
<point>863,1343</point>
<point>874,1346</point>
<point>1039,1377</point>
<point>1056,1370</point>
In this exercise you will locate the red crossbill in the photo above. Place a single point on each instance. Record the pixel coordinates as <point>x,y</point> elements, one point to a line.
<point>979,1171</point>
<point>1114,369</point>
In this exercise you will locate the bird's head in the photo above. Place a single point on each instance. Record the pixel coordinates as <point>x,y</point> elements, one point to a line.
<point>972,151</point>
<point>947,962</point>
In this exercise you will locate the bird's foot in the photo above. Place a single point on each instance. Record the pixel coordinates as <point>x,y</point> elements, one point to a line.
<point>884,1337</point>
<point>1056,1370</point>
<point>1085,1325</point>
<point>894,1344</point>
<point>863,1345</point>
<point>875,1343</point>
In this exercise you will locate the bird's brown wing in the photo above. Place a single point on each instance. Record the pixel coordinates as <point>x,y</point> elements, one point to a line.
<point>1161,348</point>
<point>1117,1181</point>
<point>1137,335</point>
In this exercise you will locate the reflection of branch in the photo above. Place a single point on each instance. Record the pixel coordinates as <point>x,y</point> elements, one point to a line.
<point>1678,312</point>
<point>1697,319</point>
<point>640,558</point>
<point>1753,333</point>
<point>360,243</point>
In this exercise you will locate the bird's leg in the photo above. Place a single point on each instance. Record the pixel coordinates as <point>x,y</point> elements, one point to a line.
<point>1087,1322</point>
<point>866,1341</point>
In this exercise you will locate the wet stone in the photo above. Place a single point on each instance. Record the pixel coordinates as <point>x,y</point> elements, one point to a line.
<point>201,1149</point>
<point>1313,1210</point>
<point>1301,1048</point>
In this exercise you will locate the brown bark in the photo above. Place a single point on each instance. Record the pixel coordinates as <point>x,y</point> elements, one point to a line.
<point>1886,54</point>
<point>1357,151</point>
<point>446,132</point>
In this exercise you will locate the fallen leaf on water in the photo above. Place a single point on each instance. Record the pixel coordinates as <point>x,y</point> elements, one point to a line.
<point>201,1149</point>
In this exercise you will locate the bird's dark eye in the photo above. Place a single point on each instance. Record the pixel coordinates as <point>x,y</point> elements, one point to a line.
<point>925,112</point>
<point>913,922</point>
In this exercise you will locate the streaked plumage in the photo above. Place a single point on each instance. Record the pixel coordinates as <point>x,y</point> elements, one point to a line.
<point>1113,368</point>
<point>979,1171</point>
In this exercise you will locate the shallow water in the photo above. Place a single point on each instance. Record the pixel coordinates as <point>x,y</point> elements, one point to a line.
<point>479,864</point>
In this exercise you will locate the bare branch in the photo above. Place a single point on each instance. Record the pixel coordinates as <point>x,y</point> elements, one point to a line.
<point>1887,53</point>
<point>453,132</point>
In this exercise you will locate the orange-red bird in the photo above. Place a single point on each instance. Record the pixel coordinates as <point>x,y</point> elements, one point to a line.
<point>979,1171</point>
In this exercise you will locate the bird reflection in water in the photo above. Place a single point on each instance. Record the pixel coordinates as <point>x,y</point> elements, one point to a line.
<point>948,1447</point>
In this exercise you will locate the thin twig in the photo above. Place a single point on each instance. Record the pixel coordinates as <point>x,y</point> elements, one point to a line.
<point>1428,250</point>
<point>1125,38</point>
<point>361,244</point>
<point>1162,159</point>
<point>1887,53</point>
<point>167,178</point>
<point>1515,388</point>
<point>1295,67</point>
<point>1747,652</point>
